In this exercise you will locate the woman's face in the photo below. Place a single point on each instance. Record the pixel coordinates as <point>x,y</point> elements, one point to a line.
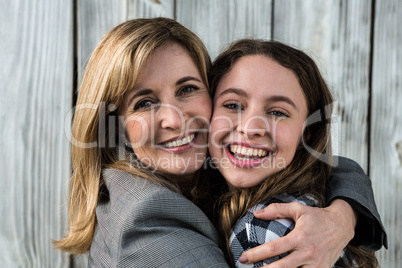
<point>166,114</point>
<point>257,123</point>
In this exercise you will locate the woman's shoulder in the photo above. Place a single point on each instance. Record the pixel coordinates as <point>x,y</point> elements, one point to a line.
<point>123,184</point>
<point>128,194</point>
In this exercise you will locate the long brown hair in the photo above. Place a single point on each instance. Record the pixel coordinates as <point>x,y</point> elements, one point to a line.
<point>310,169</point>
<point>112,70</point>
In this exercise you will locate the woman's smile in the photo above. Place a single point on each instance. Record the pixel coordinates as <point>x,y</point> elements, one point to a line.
<point>178,141</point>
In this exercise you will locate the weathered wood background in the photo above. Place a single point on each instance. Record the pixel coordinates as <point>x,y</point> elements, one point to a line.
<point>45,44</point>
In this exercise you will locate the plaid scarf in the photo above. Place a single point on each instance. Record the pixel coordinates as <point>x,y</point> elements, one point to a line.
<point>250,231</point>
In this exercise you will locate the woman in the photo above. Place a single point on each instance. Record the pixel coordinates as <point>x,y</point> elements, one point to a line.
<point>264,93</point>
<point>146,89</point>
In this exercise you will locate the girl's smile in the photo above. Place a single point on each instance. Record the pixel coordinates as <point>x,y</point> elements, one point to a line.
<point>247,155</point>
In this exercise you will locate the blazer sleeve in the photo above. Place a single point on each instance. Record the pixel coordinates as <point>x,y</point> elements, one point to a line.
<point>142,224</point>
<point>349,182</point>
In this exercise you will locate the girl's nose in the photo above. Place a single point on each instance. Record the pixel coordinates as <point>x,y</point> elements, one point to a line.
<point>253,125</point>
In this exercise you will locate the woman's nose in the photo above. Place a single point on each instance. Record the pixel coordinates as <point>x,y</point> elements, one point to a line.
<point>171,117</point>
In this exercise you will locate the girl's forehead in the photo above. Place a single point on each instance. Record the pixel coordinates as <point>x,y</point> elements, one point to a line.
<point>259,74</point>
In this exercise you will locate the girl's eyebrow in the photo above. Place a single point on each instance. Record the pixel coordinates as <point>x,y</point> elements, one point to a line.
<point>281,98</point>
<point>236,91</point>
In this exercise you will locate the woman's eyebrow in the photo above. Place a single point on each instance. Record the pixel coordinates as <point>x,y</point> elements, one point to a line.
<point>236,91</point>
<point>141,92</point>
<point>187,78</point>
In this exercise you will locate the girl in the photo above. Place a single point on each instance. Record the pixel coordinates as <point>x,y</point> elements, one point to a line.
<point>270,139</point>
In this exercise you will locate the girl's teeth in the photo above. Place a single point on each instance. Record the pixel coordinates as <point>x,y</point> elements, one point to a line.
<point>237,149</point>
<point>181,142</point>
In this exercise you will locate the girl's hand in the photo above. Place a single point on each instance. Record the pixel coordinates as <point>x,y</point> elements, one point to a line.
<point>319,236</point>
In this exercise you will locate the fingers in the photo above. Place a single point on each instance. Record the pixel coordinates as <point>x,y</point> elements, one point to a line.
<point>305,259</point>
<point>281,210</point>
<point>294,259</point>
<point>271,249</point>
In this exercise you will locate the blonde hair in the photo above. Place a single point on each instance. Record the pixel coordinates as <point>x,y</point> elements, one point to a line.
<point>112,71</point>
<point>306,174</point>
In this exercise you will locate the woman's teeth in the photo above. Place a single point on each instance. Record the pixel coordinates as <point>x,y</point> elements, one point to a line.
<point>181,142</point>
<point>247,152</point>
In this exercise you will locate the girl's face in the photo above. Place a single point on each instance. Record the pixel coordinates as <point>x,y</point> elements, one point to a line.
<point>166,114</point>
<point>257,123</point>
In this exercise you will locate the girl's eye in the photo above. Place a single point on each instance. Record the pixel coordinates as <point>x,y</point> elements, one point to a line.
<point>188,89</point>
<point>142,104</point>
<point>233,106</point>
<point>278,114</point>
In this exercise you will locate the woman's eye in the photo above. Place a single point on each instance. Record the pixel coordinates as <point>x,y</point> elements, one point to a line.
<point>142,104</point>
<point>188,89</point>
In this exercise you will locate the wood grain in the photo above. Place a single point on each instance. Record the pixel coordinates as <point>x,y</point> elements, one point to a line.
<point>95,19</point>
<point>220,22</point>
<point>386,125</point>
<point>150,9</point>
<point>36,92</point>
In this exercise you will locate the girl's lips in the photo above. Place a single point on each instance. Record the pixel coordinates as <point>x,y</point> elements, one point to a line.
<point>254,155</point>
<point>249,145</point>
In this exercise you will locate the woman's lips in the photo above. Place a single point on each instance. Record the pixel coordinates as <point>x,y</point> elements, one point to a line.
<point>179,141</point>
<point>180,144</point>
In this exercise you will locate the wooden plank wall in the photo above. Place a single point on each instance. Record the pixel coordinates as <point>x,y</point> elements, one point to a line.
<point>386,127</point>
<point>45,44</point>
<point>36,79</point>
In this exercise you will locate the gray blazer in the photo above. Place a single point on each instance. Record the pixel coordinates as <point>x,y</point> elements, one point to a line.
<point>142,224</point>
